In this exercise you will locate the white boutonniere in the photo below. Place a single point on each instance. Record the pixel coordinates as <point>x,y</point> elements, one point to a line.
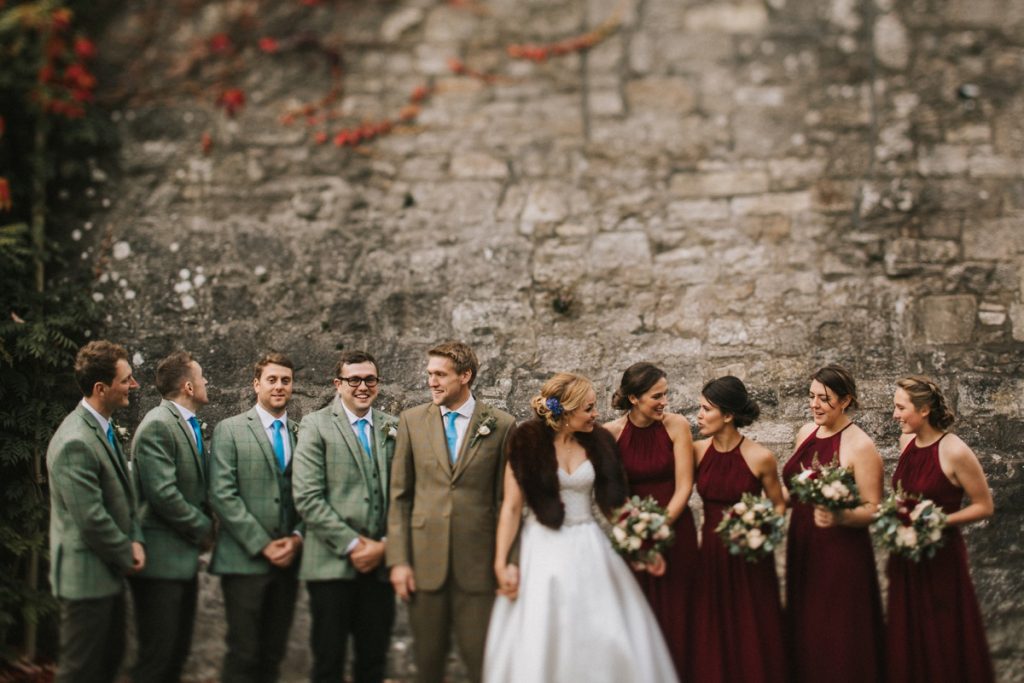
<point>204,429</point>
<point>392,431</point>
<point>486,427</point>
<point>293,427</point>
<point>122,434</point>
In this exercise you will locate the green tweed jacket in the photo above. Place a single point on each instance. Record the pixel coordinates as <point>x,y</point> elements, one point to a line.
<point>171,480</point>
<point>93,518</point>
<point>250,494</point>
<point>340,492</point>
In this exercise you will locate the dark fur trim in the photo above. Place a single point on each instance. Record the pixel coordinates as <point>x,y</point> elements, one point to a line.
<point>531,454</point>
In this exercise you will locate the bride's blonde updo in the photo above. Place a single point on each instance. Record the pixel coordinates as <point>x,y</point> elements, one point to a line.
<point>560,395</point>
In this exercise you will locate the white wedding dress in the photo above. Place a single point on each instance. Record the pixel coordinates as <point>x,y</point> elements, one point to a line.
<point>580,615</point>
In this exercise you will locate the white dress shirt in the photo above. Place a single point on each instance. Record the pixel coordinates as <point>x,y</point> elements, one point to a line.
<point>104,422</point>
<point>268,420</point>
<point>187,415</point>
<point>465,412</point>
<point>352,419</point>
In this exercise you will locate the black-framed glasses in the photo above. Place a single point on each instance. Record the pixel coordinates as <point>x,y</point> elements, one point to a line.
<point>354,382</point>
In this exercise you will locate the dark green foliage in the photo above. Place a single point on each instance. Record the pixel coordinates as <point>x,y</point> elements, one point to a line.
<point>43,320</point>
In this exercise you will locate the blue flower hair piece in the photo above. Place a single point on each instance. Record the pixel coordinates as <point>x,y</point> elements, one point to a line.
<point>555,406</point>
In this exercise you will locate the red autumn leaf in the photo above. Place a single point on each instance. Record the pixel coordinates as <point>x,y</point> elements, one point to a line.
<point>456,66</point>
<point>46,74</point>
<point>269,45</point>
<point>206,142</point>
<point>219,43</point>
<point>320,138</point>
<point>232,100</point>
<point>409,112</point>
<point>419,94</point>
<point>77,76</point>
<point>80,95</point>
<point>85,49</point>
<point>310,3</point>
<point>5,195</point>
<point>61,19</point>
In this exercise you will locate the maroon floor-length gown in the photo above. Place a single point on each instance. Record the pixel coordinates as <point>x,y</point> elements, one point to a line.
<point>935,634</point>
<point>737,618</point>
<point>831,588</point>
<point>650,466</point>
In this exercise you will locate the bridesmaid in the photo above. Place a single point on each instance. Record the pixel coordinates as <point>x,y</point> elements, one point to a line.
<point>657,453</point>
<point>737,615</point>
<point>935,628</point>
<point>831,580</point>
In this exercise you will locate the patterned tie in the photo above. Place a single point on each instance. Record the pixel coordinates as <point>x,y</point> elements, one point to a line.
<point>110,436</point>
<point>278,444</point>
<point>361,424</point>
<point>198,432</point>
<point>450,434</point>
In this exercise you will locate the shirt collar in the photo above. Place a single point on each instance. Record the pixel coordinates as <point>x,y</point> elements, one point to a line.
<point>465,410</point>
<point>104,422</point>
<point>353,418</point>
<point>185,412</point>
<point>267,419</point>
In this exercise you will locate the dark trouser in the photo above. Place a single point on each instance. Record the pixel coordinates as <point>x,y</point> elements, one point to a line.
<point>434,616</point>
<point>259,611</point>
<point>165,611</point>
<point>91,639</point>
<point>364,607</point>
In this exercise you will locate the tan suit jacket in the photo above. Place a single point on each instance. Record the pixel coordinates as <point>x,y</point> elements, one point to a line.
<point>443,518</point>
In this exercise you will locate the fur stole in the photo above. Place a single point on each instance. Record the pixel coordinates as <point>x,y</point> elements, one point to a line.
<point>531,454</point>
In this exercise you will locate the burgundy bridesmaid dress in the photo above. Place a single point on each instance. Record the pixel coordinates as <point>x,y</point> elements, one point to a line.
<point>935,630</point>
<point>833,616</point>
<point>737,618</point>
<point>650,467</point>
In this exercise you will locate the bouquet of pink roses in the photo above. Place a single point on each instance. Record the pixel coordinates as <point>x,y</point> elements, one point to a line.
<point>909,525</point>
<point>641,529</point>
<point>751,528</point>
<point>830,486</point>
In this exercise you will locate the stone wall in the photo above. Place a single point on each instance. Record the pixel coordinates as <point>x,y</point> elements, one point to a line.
<point>743,187</point>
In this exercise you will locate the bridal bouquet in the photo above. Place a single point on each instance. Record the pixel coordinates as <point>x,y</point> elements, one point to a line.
<point>751,528</point>
<point>830,486</point>
<point>909,525</point>
<point>641,529</point>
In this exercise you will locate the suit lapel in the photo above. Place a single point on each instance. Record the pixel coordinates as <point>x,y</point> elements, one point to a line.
<point>380,444</point>
<point>435,435</point>
<point>256,427</point>
<point>112,452</point>
<point>189,435</point>
<point>470,442</point>
<point>348,435</point>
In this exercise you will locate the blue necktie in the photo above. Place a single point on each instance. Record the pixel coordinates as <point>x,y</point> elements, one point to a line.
<point>450,434</point>
<point>278,444</point>
<point>110,436</point>
<point>198,432</point>
<point>363,438</point>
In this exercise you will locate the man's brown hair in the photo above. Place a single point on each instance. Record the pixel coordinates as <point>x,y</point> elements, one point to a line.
<point>97,362</point>
<point>172,372</point>
<point>272,358</point>
<point>352,357</point>
<point>461,355</point>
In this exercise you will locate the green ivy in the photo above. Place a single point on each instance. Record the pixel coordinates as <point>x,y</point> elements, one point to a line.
<point>45,309</point>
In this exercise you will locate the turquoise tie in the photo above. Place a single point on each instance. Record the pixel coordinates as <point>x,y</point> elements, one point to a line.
<point>450,434</point>
<point>198,432</point>
<point>363,438</point>
<point>278,444</point>
<point>110,436</point>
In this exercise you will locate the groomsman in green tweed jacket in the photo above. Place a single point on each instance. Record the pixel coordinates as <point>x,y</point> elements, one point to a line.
<point>169,460</point>
<point>260,537</point>
<point>342,467</point>
<point>95,537</point>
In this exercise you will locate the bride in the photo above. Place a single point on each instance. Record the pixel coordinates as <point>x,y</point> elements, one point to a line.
<point>573,612</point>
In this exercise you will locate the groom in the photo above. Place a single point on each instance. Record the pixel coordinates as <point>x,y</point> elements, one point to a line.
<point>446,483</point>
